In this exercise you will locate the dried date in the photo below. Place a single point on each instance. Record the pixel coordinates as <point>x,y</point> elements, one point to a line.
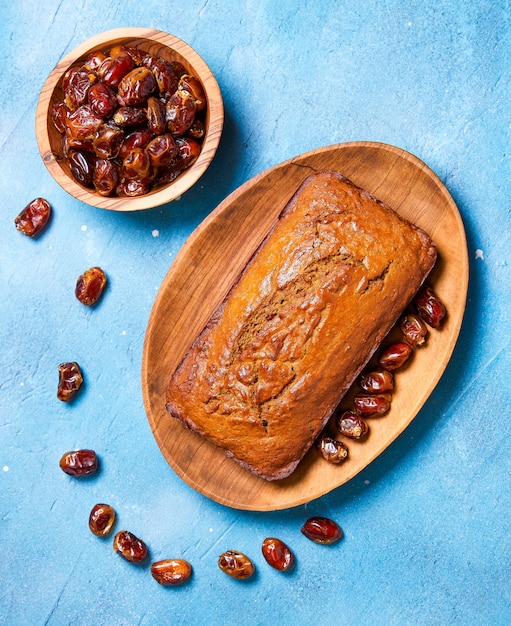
<point>127,117</point>
<point>395,355</point>
<point>351,425</point>
<point>108,141</point>
<point>133,187</point>
<point>414,329</point>
<point>101,519</point>
<point>83,124</point>
<point>193,86</point>
<point>180,112</point>
<point>179,69</point>
<point>171,572</point>
<point>77,87</point>
<point>137,165</point>
<point>137,55</point>
<point>165,75</point>
<point>136,139</point>
<point>322,530</point>
<point>114,68</point>
<point>102,100</point>
<point>90,286</point>
<point>136,87</point>
<point>372,405</point>
<point>277,554</point>
<point>70,381</point>
<point>376,381</point>
<point>33,218</point>
<point>156,116</point>
<point>162,150</point>
<point>94,61</point>
<point>130,547</point>
<point>189,151</point>
<point>332,450</point>
<point>429,307</point>
<point>79,463</point>
<point>67,78</point>
<point>59,113</point>
<point>69,144</point>
<point>106,177</point>
<point>167,174</point>
<point>82,165</point>
<point>197,130</point>
<point>236,564</point>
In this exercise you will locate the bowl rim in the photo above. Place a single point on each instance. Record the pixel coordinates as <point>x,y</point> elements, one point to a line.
<point>190,176</point>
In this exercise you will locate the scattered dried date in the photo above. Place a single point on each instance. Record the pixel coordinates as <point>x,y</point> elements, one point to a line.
<point>171,572</point>
<point>70,381</point>
<point>130,547</point>
<point>351,425</point>
<point>332,450</point>
<point>277,554</point>
<point>395,355</point>
<point>236,564</point>
<point>414,329</point>
<point>322,530</point>
<point>101,519</point>
<point>33,218</point>
<point>376,381</point>
<point>429,307</point>
<point>372,405</point>
<point>90,286</point>
<point>79,463</point>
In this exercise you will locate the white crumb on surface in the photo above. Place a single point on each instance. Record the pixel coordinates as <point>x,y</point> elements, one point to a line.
<point>155,233</point>
<point>84,228</point>
<point>479,254</point>
<point>5,468</point>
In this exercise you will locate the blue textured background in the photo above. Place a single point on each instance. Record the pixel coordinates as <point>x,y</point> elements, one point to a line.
<point>427,524</point>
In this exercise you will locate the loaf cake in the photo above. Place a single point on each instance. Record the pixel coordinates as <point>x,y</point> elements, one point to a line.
<point>303,319</point>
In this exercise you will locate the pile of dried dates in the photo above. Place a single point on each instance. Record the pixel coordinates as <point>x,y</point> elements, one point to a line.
<point>130,121</point>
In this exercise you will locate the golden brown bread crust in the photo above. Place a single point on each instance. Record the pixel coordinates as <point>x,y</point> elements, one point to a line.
<point>306,315</point>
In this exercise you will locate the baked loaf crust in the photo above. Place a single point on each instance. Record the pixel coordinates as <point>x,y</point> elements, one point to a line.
<point>304,318</point>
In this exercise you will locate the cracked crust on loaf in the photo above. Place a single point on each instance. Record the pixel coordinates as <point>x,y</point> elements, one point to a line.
<point>304,318</point>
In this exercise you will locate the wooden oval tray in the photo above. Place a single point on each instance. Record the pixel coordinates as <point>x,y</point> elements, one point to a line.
<point>209,263</point>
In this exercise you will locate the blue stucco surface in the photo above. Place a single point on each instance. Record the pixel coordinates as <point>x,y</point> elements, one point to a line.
<point>427,524</point>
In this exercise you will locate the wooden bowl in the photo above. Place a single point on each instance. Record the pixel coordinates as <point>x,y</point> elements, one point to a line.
<point>156,43</point>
